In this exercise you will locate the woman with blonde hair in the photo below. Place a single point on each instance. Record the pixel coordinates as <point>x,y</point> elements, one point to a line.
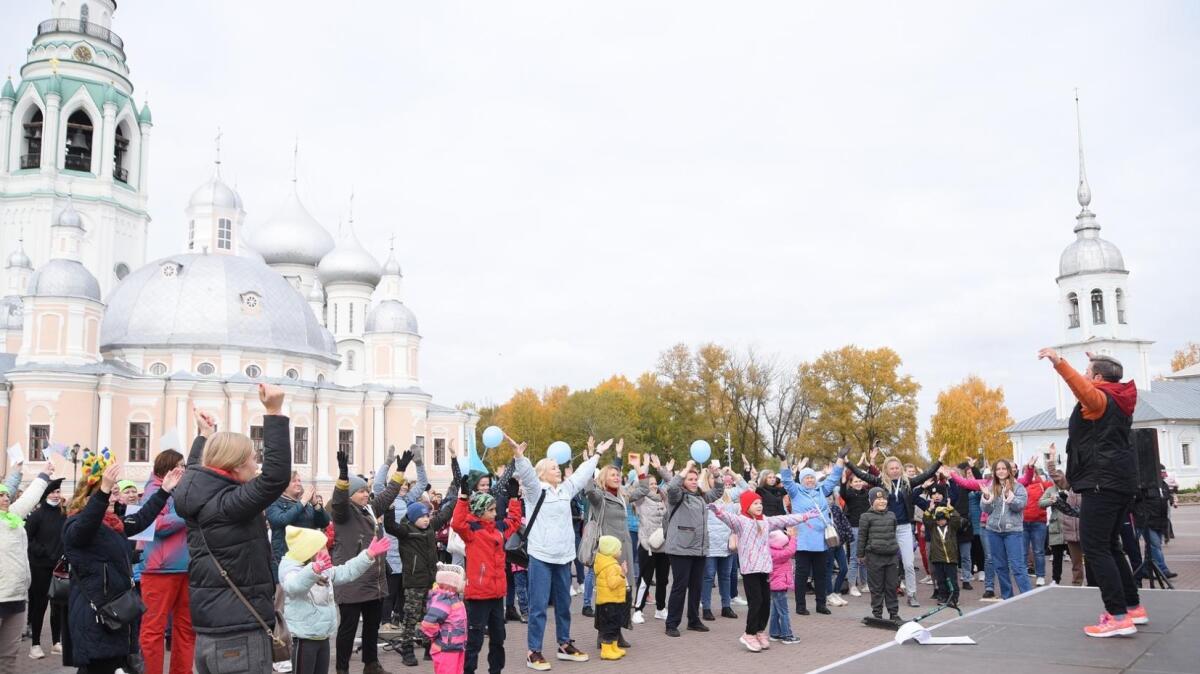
<point>608,507</point>
<point>899,487</point>
<point>223,500</point>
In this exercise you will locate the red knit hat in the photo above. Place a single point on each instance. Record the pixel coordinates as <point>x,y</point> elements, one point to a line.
<point>748,498</point>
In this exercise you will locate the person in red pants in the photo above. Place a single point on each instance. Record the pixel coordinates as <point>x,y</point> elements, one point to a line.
<point>165,582</point>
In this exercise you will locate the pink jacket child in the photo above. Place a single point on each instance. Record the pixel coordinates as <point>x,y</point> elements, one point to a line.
<point>752,529</point>
<point>445,621</point>
<point>782,547</point>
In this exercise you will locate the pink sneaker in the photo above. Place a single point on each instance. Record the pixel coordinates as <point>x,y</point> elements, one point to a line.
<point>1111,627</point>
<point>763,641</point>
<point>750,641</point>
<point>1138,615</point>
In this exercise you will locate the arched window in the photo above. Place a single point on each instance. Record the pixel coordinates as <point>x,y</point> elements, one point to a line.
<point>320,379</point>
<point>1072,310</point>
<point>158,369</point>
<point>1097,307</point>
<point>349,361</point>
<point>225,234</point>
<point>83,13</point>
<point>120,149</point>
<point>31,142</point>
<point>292,373</point>
<point>205,369</point>
<point>253,371</point>
<point>352,320</point>
<point>1120,306</point>
<point>79,142</point>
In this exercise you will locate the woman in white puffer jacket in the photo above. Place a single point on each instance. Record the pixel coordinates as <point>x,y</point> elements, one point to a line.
<point>14,563</point>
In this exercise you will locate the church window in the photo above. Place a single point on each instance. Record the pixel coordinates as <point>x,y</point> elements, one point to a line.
<point>158,369</point>
<point>350,361</point>
<point>139,442</point>
<point>346,443</point>
<point>292,373</point>
<point>1120,306</point>
<point>120,270</point>
<point>191,234</point>
<point>205,369</point>
<point>1097,307</point>
<point>1072,310</point>
<point>39,440</point>
<point>439,451</point>
<point>1187,453</point>
<point>256,439</point>
<point>351,318</point>
<point>170,269</point>
<point>79,142</point>
<point>300,445</point>
<point>120,149</point>
<point>225,234</point>
<point>253,371</point>
<point>31,152</point>
<point>251,302</point>
<point>320,379</point>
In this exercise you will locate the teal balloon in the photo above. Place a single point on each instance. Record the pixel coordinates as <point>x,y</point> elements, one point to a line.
<point>492,437</point>
<point>560,452</point>
<point>701,451</point>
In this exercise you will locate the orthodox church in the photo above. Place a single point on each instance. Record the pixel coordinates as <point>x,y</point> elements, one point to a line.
<point>1094,310</point>
<point>103,348</point>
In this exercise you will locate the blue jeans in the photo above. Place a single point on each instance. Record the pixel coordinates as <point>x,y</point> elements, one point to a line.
<point>858,574</point>
<point>548,583</point>
<point>964,560</point>
<point>1154,545</point>
<point>1035,535</point>
<point>1008,551</point>
<point>720,568</point>
<point>780,625</point>
<point>839,554</point>
<point>989,562</point>
<point>734,572</point>
<point>589,585</point>
<point>632,555</point>
<point>518,591</point>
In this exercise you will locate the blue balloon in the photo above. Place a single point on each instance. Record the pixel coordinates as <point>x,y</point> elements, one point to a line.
<point>560,452</point>
<point>492,437</point>
<point>701,451</point>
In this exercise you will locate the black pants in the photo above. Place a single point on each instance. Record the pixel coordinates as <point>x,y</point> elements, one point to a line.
<point>485,616</point>
<point>1101,516</point>
<point>883,575</point>
<point>310,656</point>
<point>38,600</point>
<point>687,575</point>
<point>945,579</point>
<point>104,666</point>
<point>609,618</point>
<point>758,597</point>
<point>656,567</point>
<point>1056,560</point>
<point>808,562</point>
<point>393,606</point>
<point>349,614</point>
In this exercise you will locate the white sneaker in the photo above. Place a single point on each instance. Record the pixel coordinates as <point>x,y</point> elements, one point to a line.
<point>638,618</point>
<point>660,614</point>
<point>56,648</point>
<point>854,591</point>
<point>927,580</point>
<point>739,601</point>
<point>1041,581</point>
<point>982,575</point>
<point>283,666</point>
<point>574,591</point>
<point>836,600</point>
<point>36,653</point>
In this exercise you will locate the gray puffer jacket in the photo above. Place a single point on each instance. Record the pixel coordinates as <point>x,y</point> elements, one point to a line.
<point>1005,518</point>
<point>651,510</point>
<point>687,517</point>
<point>609,510</point>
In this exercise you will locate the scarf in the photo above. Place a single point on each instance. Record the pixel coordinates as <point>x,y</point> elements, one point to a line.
<point>13,520</point>
<point>113,522</point>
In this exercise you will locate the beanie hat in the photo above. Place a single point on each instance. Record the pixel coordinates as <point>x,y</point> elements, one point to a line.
<point>481,501</point>
<point>357,484</point>
<point>609,545</point>
<point>126,484</point>
<point>303,544</point>
<point>777,538</point>
<point>805,472</point>
<point>748,498</point>
<point>452,575</point>
<point>416,511</point>
<point>939,488</point>
<point>4,489</point>
<point>875,494</point>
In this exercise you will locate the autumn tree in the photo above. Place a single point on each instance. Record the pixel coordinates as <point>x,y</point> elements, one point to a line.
<point>1188,356</point>
<point>970,419</point>
<point>858,396</point>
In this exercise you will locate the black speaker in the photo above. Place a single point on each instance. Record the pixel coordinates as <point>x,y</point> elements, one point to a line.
<point>1145,447</point>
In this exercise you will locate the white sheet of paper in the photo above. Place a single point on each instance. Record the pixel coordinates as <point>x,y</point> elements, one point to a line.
<point>147,534</point>
<point>15,455</point>
<point>915,631</point>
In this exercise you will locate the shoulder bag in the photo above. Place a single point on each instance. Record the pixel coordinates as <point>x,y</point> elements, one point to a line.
<point>281,651</point>
<point>60,582</point>
<point>516,548</point>
<point>119,612</point>
<point>832,540</point>
<point>590,539</point>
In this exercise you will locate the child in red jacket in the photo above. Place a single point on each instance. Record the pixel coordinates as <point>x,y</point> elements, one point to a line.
<point>475,522</point>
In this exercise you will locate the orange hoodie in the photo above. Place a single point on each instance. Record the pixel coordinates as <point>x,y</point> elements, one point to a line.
<point>1091,395</point>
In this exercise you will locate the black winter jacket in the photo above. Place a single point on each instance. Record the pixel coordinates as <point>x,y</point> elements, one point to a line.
<point>772,500</point>
<point>418,547</point>
<point>856,503</point>
<point>100,571</point>
<point>44,529</point>
<point>877,534</point>
<point>1100,454</point>
<point>230,513</point>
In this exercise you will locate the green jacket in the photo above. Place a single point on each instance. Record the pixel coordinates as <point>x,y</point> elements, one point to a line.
<point>943,549</point>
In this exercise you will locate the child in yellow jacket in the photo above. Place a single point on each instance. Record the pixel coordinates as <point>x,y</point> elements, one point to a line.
<point>610,597</point>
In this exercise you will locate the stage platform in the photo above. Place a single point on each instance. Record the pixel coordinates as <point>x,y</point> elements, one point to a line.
<point>1042,632</point>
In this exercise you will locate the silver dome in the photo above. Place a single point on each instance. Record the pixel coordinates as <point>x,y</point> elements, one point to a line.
<point>316,294</point>
<point>392,316</point>
<point>201,301</point>
<point>64,278</point>
<point>349,262</point>
<point>216,194</point>
<point>69,217</point>
<point>18,258</point>
<point>330,340</point>
<point>391,267</point>
<point>12,313</point>
<point>291,236</point>
<point>1090,254</point>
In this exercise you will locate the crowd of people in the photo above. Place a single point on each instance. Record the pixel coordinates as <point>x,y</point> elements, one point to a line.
<point>246,568</point>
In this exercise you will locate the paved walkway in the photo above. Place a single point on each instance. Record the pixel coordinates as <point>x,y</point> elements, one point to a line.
<point>824,639</point>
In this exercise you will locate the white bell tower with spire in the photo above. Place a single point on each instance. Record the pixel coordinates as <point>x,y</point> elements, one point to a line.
<point>1094,298</point>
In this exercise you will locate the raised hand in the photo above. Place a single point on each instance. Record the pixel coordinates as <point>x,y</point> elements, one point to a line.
<point>591,447</point>
<point>453,453</point>
<point>604,446</point>
<point>655,462</point>
<point>378,546</point>
<point>518,448</point>
<point>689,466</point>
<point>670,465</point>
<point>985,495</point>
<point>322,563</point>
<point>271,397</point>
<point>206,425</point>
<point>803,462</point>
<point>1050,355</point>
<point>403,460</point>
<point>391,454</point>
<point>172,478</point>
<point>110,477</point>
<point>970,462</point>
<point>635,462</point>
<point>942,454</point>
<point>620,446</point>
<point>343,461</point>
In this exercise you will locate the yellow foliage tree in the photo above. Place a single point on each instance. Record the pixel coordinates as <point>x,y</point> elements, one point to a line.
<point>1188,356</point>
<point>970,420</point>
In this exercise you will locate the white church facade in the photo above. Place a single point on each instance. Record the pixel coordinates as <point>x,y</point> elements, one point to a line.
<point>1094,310</point>
<point>103,348</point>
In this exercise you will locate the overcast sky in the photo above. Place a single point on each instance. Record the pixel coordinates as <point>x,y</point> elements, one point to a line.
<point>575,186</point>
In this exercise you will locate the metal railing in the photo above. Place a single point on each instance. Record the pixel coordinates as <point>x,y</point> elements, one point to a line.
<point>31,161</point>
<point>81,27</point>
<point>77,162</point>
<point>121,174</point>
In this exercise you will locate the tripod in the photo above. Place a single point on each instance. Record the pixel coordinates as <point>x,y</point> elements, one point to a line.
<point>1153,574</point>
